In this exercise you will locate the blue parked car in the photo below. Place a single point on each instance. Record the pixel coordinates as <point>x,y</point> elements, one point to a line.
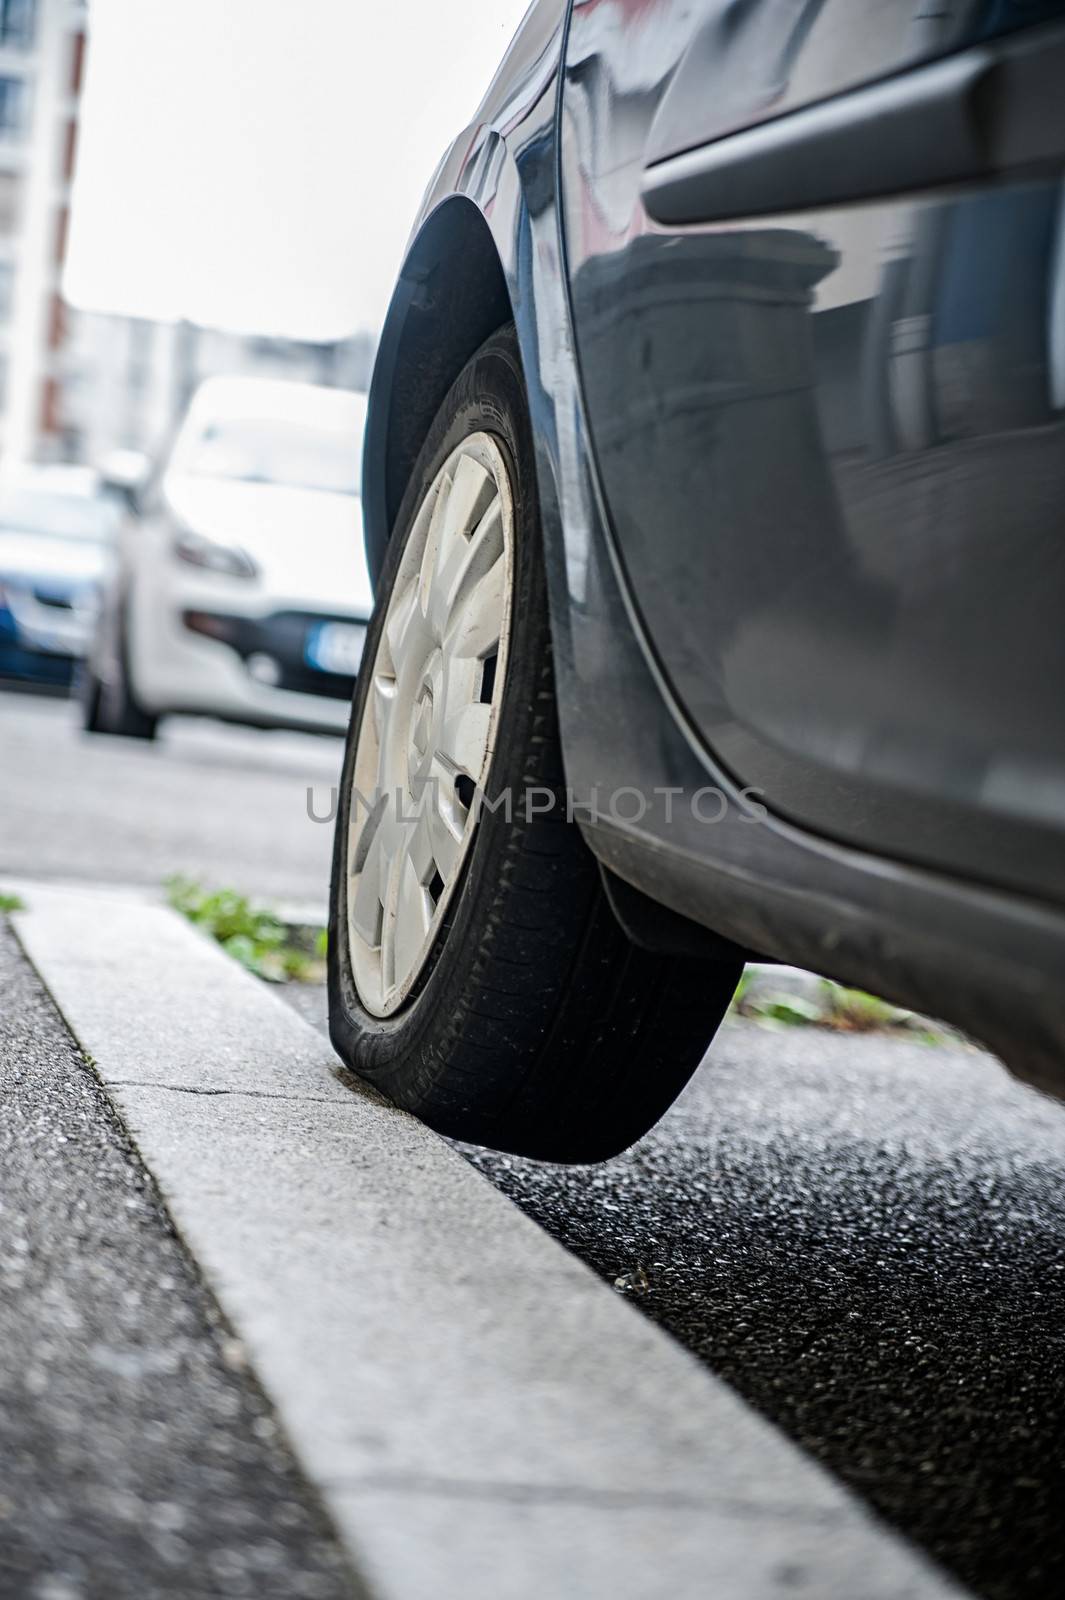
<point>56,531</point>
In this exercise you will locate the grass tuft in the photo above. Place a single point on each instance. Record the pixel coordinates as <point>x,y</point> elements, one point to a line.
<point>252,934</point>
<point>831,1005</point>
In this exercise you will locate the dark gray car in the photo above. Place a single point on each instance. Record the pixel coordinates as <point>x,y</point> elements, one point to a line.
<point>715,494</point>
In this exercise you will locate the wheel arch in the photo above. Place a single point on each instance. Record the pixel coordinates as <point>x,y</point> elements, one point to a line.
<point>451,295</point>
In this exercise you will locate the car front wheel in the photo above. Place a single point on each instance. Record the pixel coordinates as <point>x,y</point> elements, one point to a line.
<point>111,706</point>
<point>477,974</point>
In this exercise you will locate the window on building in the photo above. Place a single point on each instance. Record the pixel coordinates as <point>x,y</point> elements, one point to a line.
<point>9,199</point>
<point>17,18</point>
<point>12,106</point>
<point>77,62</point>
<point>7,284</point>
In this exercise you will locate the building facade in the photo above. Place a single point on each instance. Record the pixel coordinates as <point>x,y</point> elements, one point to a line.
<point>76,385</point>
<point>42,47</point>
<point>125,381</point>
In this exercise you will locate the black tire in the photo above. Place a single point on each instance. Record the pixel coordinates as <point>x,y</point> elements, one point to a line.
<point>89,693</point>
<point>111,706</point>
<point>536,1027</point>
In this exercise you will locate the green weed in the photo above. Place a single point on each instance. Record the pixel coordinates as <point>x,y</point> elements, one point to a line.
<point>252,934</point>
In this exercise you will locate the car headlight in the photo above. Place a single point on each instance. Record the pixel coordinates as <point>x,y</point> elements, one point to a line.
<point>199,551</point>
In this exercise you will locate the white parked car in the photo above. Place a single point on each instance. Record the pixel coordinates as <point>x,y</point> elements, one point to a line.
<point>239,587</point>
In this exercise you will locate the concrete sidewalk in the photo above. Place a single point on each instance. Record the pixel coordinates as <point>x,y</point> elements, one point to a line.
<point>480,1414</point>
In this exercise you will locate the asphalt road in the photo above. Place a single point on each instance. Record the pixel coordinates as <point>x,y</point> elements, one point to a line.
<point>139,1457</point>
<point>866,1238</point>
<point>228,805</point>
<point>864,1235</point>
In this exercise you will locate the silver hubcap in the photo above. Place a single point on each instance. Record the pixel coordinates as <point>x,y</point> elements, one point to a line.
<point>428,726</point>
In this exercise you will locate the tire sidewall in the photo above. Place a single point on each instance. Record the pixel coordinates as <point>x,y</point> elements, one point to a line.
<point>488,397</point>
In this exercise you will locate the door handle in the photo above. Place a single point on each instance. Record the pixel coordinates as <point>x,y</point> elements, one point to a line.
<point>975,116</point>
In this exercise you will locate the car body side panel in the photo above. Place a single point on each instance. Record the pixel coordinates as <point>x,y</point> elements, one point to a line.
<point>845,430</point>
<point>989,959</point>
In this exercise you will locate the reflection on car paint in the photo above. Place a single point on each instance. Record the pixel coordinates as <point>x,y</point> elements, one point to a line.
<point>844,429</point>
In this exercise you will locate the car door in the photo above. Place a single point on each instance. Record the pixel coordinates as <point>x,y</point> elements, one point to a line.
<point>817,272</point>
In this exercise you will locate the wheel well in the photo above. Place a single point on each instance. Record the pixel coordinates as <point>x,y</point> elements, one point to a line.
<point>452,294</point>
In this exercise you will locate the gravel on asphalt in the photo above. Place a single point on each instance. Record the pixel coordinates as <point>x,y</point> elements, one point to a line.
<point>866,1238</point>
<point>139,1457</point>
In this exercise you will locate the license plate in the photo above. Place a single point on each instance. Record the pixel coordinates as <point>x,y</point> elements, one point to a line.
<point>336,647</point>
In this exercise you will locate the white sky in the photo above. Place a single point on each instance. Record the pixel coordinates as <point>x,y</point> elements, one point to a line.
<point>256,164</point>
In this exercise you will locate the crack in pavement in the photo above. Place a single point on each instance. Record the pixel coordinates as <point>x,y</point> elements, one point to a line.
<point>579,1494</point>
<point>243,1094</point>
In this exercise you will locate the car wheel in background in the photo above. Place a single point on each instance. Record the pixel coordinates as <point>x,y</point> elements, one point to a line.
<point>110,706</point>
<point>88,689</point>
<point>477,974</point>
